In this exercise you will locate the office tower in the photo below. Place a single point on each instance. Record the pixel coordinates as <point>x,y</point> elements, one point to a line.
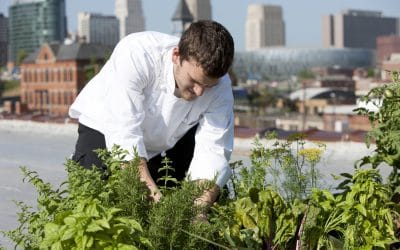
<point>356,29</point>
<point>130,16</point>
<point>3,39</point>
<point>264,26</point>
<point>32,23</point>
<point>200,9</point>
<point>97,28</point>
<point>181,19</point>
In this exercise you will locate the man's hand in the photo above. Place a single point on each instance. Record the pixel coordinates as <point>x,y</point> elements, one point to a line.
<point>145,176</point>
<point>155,195</point>
<point>205,201</point>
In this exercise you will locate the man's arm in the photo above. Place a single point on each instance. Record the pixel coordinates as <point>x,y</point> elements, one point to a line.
<point>208,198</point>
<point>145,176</point>
<point>205,201</point>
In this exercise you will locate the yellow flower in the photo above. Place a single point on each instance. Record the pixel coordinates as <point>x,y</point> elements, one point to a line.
<point>312,155</point>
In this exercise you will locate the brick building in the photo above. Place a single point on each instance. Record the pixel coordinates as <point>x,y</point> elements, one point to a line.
<point>385,46</point>
<point>52,76</point>
<point>391,65</point>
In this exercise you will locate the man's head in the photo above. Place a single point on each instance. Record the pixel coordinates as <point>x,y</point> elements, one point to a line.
<point>210,45</point>
<point>204,54</point>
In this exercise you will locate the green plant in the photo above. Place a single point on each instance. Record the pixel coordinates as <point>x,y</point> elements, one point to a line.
<point>82,212</point>
<point>385,131</point>
<point>174,215</point>
<point>288,165</point>
<point>167,179</point>
<point>111,210</point>
<point>322,223</point>
<point>368,212</point>
<point>91,225</point>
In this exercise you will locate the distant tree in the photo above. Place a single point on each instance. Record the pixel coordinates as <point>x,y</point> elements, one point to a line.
<point>371,73</point>
<point>261,98</point>
<point>92,68</point>
<point>305,74</point>
<point>22,54</point>
<point>95,65</point>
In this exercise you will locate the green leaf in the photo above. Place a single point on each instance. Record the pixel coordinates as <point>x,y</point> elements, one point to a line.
<point>126,247</point>
<point>103,222</point>
<point>56,246</point>
<point>70,221</point>
<point>51,231</point>
<point>90,242</point>
<point>69,233</point>
<point>93,227</point>
<point>92,210</point>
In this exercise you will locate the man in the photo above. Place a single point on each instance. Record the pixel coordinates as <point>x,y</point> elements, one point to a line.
<point>163,95</point>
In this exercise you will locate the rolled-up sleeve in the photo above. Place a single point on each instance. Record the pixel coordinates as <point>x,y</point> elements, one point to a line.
<point>214,140</point>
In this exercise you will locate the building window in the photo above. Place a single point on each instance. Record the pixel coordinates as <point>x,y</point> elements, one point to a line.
<point>51,75</point>
<point>70,75</point>
<point>29,75</point>
<point>66,98</point>
<point>35,75</point>
<point>59,98</point>
<point>58,75</point>
<point>46,75</point>
<point>65,75</point>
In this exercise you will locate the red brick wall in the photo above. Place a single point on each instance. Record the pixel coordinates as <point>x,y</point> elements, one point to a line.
<point>357,122</point>
<point>385,46</point>
<point>50,86</point>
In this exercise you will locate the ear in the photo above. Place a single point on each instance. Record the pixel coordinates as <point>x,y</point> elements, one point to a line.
<point>175,55</point>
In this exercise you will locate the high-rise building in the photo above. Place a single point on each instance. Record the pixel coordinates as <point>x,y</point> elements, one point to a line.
<point>34,22</point>
<point>3,39</point>
<point>200,9</point>
<point>130,16</point>
<point>264,26</point>
<point>97,28</point>
<point>357,29</point>
<point>181,19</point>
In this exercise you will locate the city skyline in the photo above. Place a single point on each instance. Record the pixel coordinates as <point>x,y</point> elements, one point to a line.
<point>303,19</point>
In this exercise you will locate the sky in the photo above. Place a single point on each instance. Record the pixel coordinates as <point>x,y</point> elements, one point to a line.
<point>302,17</point>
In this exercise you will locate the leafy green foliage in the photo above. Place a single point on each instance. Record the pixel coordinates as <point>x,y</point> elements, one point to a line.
<point>167,179</point>
<point>174,216</point>
<point>385,127</point>
<point>366,212</point>
<point>260,217</point>
<point>289,166</point>
<point>362,217</point>
<point>91,225</point>
<point>111,210</point>
<point>8,87</point>
<point>82,213</point>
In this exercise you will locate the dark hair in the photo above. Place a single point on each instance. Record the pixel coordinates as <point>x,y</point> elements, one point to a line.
<point>210,44</point>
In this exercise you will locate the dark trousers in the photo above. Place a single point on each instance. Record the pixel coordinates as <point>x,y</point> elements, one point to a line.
<point>180,155</point>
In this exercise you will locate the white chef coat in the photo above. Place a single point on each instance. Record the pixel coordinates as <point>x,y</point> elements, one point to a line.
<point>132,102</point>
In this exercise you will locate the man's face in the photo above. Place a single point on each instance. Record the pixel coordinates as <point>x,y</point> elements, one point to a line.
<point>190,79</point>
